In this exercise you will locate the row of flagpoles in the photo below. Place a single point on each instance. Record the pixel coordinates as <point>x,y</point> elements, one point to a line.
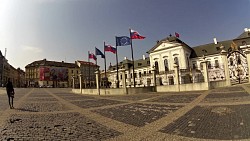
<point>120,41</point>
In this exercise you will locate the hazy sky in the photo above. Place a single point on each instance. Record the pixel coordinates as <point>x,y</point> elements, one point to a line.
<point>62,30</point>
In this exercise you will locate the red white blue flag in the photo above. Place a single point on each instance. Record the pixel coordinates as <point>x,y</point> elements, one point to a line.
<point>110,48</point>
<point>92,56</point>
<point>135,35</point>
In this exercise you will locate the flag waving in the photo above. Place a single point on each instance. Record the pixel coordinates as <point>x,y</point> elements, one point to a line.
<point>92,56</point>
<point>177,35</point>
<point>135,35</point>
<point>110,48</point>
<point>122,41</point>
<point>98,52</point>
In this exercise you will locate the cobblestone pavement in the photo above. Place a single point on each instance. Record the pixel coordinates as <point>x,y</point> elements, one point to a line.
<point>58,114</point>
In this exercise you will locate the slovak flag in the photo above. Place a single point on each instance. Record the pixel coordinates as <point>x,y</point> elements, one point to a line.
<point>177,35</point>
<point>135,35</point>
<point>110,48</point>
<point>92,56</point>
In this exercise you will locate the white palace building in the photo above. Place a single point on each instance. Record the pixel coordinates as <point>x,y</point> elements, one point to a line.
<point>224,58</point>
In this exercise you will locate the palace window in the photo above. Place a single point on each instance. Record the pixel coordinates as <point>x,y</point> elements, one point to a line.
<point>166,64</point>
<point>231,60</point>
<point>139,74</point>
<point>194,65</point>
<point>176,61</point>
<point>156,67</point>
<point>239,60</point>
<point>209,65</point>
<point>216,63</point>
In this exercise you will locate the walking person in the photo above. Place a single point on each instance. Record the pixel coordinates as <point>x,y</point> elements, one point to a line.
<point>10,93</point>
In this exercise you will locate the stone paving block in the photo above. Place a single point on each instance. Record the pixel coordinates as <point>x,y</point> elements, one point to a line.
<point>42,107</point>
<point>63,126</point>
<point>176,98</point>
<point>227,95</point>
<point>132,97</point>
<point>138,114</point>
<point>77,97</point>
<point>95,103</point>
<point>41,99</point>
<point>184,93</point>
<point>213,122</point>
<point>40,95</point>
<point>229,89</point>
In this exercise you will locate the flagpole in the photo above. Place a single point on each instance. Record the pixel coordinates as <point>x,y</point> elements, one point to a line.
<point>106,79</point>
<point>117,77</point>
<point>89,69</point>
<point>95,57</point>
<point>132,56</point>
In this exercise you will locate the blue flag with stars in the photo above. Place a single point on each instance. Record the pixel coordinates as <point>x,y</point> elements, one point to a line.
<point>123,41</point>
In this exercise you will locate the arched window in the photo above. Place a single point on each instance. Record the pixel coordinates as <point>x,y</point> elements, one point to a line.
<point>166,64</point>
<point>239,60</point>
<point>231,61</point>
<point>156,67</point>
<point>176,61</point>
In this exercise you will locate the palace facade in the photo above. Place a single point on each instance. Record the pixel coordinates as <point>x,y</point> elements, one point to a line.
<point>171,51</point>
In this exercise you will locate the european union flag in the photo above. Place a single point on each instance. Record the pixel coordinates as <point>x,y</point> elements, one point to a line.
<point>123,41</point>
<point>98,52</point>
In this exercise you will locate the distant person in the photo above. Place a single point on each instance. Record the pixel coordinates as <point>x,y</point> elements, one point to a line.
<point>10,93</point>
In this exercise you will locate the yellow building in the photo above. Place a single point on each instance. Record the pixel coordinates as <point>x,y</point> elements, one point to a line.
<point>44,73</point>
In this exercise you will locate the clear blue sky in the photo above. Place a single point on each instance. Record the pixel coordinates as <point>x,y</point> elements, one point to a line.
<point>66,29</point>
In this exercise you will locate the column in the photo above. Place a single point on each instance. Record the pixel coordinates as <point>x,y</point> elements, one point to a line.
<point>80,82</point>
<point>97,81</point>
<point>73,85</point>
<point>206,78</point>
<point>154,76</point>
<point>226,68</point>
<point>248,63</point>
<point>123,78</point>
<point>176,78</point>
<point>176,73</point>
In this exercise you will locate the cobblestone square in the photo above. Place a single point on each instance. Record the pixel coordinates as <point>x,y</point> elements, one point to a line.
<point>133,97</point>
<point>39,107</point>
<point>66,126</point>
<point>213,122</point>
<point>95,103</point>
<point>138,114</point>
<point>57,114</point>
<point>176,98</point>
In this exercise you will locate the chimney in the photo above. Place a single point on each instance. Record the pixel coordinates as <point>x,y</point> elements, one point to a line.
<point>215,41</point>
<point>143,57</point>
<point>246,29</point>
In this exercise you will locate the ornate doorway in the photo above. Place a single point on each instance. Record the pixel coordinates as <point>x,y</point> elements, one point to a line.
<point>237,64</point>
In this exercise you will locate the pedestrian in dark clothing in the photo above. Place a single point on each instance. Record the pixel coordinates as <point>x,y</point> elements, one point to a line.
<point>10,93</point>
